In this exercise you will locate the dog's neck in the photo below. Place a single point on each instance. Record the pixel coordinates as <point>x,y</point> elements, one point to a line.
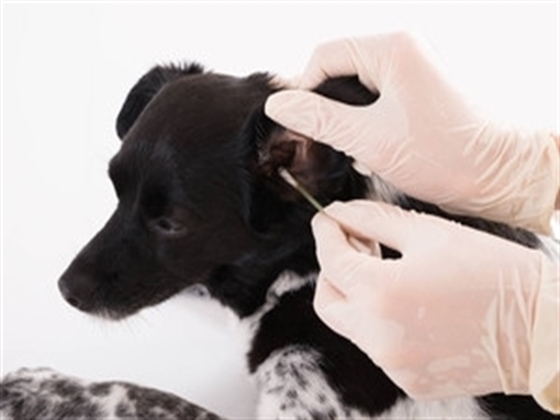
<point>243,285</point>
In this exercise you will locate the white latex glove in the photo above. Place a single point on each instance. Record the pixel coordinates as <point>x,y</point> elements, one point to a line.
<point>422,135</point>
<point>456,315</point>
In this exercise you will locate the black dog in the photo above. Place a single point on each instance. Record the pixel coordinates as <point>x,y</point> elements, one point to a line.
<point>201,202</point>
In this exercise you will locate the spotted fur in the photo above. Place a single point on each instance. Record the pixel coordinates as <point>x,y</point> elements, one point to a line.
<point>35,394</point>
<point>293,383</point>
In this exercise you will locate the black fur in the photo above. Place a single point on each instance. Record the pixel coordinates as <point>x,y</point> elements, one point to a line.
<point>148,86</point>
<point>359,382</point>
<point>200,201</point>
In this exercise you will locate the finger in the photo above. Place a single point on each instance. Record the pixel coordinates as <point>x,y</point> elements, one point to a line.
<point>326,294</point>
<point>370,133</point>
<point>346,128</point>
<point>339,260</point>
<point>312,115</point>
<point>381,222</point>
<point>332,308</point>
<point>333,59</point>
<point>374,59</point>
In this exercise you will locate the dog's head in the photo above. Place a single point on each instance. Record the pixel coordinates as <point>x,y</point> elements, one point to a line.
<point>199,197</point>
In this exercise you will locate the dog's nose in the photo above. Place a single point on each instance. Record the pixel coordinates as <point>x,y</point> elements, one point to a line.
<point>77,291</point>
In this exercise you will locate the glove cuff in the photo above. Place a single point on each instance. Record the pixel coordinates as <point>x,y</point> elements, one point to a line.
<point>529,185</point>
<point>542,185</point>
<point>544,370</point>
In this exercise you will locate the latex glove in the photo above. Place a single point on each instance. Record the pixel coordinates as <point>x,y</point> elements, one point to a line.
<point>454,316</point>
<point>422,135</point>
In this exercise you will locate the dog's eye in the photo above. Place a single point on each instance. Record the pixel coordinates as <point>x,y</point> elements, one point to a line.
<point>168,226</point>
<point>161,216</point>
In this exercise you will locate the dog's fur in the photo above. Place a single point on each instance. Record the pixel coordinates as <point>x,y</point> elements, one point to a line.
<point>201,202</point>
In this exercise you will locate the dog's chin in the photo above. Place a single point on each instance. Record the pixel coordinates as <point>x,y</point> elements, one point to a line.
<point>97,307</point>
<point>107,313</point>
<point>111,314</point>
<point>89,297</point>
<point>117,312</point>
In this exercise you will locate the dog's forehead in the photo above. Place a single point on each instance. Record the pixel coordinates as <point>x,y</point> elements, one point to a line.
<point>198,109</point>
<point>189,122</point>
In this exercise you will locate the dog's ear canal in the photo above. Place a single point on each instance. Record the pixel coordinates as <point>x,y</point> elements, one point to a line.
<point>146,88</point>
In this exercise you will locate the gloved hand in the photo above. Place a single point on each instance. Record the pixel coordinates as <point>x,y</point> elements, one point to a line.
<point>455,315</point>
<point>422,135</point>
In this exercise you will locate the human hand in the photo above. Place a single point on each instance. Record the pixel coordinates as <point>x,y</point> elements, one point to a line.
<point>453,316</point>
<point>422,135</point>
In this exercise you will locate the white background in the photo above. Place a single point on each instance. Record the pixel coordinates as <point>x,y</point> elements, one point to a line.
<point>66,70</point>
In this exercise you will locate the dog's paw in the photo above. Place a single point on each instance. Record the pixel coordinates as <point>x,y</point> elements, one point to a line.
<point>45,394</point>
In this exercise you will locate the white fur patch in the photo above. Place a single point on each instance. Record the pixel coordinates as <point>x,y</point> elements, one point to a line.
<point>381,190</point>
<point>117,397</point>
<point>452,408</point>
<point>293,386</point>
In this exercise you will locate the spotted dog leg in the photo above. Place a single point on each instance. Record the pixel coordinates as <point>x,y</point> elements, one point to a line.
<point>45,394</point>
<point>293,386</point>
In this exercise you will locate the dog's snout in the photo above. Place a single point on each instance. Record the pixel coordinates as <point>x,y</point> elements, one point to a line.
<point>77,291</point>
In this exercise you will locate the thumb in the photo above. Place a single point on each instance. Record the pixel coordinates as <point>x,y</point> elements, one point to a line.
<point>376,221</point>
<point>316,117</point>
<point>369,133</point>
<point>340,261</point>
<point>350,270</point>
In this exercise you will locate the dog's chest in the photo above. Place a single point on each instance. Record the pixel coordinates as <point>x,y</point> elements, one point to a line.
<point>292,379</point>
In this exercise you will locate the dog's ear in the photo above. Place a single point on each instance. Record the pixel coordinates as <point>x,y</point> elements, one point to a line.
<point>324,172</point>
<point>146,88</point>
<point>311,162</point>
<point>279,147</point>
